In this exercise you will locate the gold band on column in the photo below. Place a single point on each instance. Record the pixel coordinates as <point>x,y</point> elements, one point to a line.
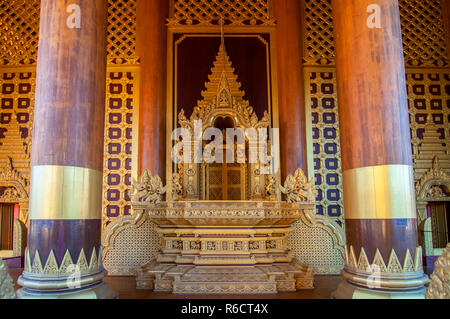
<point>379,192</point>
<point>65,193</point>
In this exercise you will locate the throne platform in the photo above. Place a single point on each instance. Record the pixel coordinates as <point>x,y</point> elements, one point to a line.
<point>224,247</point>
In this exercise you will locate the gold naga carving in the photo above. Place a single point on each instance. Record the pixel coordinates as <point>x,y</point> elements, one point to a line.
<point>6,283</point>
<point>149,189</point>
<point>297,188</point>
<point>439,287</point>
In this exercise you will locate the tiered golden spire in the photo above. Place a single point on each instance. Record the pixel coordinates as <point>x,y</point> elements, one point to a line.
<point>223,94</point>
<point>222,75</point>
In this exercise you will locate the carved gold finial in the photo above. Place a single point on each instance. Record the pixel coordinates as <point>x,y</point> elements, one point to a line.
<point>149,188</point>
<point>6,283</point>
<point>440,279</point>
<point>297,188</point>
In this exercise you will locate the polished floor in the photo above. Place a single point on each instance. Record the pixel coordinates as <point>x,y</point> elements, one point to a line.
<point>126,288</point>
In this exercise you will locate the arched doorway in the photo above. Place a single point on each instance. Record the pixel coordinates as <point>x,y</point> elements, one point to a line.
<point>226,180</point>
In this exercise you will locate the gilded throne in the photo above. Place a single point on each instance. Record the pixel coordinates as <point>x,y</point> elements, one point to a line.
<point>223,223</point>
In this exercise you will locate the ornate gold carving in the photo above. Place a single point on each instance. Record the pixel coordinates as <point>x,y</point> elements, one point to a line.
<point>16,188</point>
<point>394,276</point>
<point>428,188</point>
<point>6,283</point>
<point>234,12</point>
<point>177,188</point>
<point>298,189</point>
<point>439,287</point>
<point>149,189</point>
<point>429,119</point>
<point>52,269</point>
<point>10,174</point>
<point>271,188</point>
<point>223,97</point>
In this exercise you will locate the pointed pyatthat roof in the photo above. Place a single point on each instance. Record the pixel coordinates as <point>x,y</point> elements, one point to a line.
<point>223,96</point>
<point>222,77</point>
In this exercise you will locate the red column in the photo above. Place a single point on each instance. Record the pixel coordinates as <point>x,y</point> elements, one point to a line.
<point>379,197</point>
<point>64,247</point>
<point>152,47</point>
<point>291,101</point>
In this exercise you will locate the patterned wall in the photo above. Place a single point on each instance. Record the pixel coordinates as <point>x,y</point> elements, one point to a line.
<point>17,101</point>
<point>326,145</point>
<point>16,118</point>
<point>429,107</point>
<point>121,97</point>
